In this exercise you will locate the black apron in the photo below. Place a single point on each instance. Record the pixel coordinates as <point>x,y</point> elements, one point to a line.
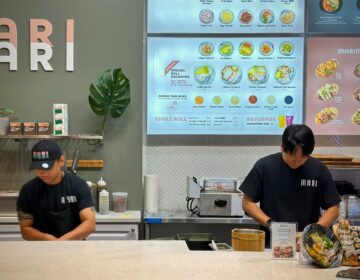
<point>59,222</point>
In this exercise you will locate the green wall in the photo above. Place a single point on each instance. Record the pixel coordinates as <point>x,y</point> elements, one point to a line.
<point>108,34</point>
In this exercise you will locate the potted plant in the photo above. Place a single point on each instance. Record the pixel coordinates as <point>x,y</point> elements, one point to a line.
<point>4,120</point>
<point>110,95</point>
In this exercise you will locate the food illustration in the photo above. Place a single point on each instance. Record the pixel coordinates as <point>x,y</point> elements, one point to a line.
<point>266,16</point>
<point>266,48</point>
<point>206,48</point>
<point>321,246</point>
<point>235,100</point>
<point>216,100</point>
<point>252,99</point>
<point>204,75</point>
<point>357,71</point>
<point>258,74</point>
<point>199,100</point>
<point>327,69</point>
<point>226,48</point>
<point>226,16</point>
<point>206,16</point>
<point>330,6</point>
<point>271,99</point>
<point>284,74</point>
<point>286,48</point>
<point>245,17</point>
<point>283,251</point>
<point>246,48</point>
<point>287,17</point>
<point>327,91</point>
<point>355,119</point>
<point>326,115</point>
<point>356,94</point>
<point>288,99</point>
<point>231,74</point>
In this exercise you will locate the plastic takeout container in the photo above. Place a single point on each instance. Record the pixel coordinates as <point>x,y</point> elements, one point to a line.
<point>119,201</point>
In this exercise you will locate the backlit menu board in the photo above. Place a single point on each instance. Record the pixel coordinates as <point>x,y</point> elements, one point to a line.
<point>333,86</point>
<point>225,16</point>
<point>334,16</point>
<point>224,85</point>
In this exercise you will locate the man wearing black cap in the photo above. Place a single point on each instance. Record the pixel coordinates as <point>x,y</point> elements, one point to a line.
<point>55,205</point>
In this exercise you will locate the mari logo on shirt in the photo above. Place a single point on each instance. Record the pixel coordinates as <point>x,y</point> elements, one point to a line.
<point>308,183</point>
<point>69,198</point>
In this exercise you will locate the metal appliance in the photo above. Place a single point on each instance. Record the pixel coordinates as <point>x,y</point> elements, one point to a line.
<point>216,197</point>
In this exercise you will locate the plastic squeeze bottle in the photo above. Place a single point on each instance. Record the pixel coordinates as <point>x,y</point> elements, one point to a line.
<point>100,185</point>
<point>104,202</point>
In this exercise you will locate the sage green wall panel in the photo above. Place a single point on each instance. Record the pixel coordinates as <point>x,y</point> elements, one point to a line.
<point>108,35</point>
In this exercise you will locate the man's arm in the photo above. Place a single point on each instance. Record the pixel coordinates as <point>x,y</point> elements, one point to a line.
<point>329,217</point>
<point>28,232</point>
<point>87,226</point>
<point>254,211</point>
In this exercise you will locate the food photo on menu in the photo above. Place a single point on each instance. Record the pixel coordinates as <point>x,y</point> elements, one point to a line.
<point>333,16</point>
<point>223,17</point>
<point>219,85</point>
<point>333,86</point>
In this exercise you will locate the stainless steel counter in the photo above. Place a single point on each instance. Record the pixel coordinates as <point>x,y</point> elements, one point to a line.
<point>166,224</point>
<point>163,217</point>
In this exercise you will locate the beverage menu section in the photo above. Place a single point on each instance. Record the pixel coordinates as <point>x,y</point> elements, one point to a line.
<point>333,86</point>
<point>225,16</point>
<point>334,16</point>
<point>224,85</point>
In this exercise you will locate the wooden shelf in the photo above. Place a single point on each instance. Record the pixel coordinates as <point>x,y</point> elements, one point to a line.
<point>73,136</point>
<point>87,163</point>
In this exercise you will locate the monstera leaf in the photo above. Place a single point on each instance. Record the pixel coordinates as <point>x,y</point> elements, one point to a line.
<point>110,95</point>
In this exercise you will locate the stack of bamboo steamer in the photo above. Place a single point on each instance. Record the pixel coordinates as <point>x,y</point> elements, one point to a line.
<point>243,239</point>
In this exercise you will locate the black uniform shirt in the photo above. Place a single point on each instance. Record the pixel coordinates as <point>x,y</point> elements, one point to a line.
<point>291,195</point>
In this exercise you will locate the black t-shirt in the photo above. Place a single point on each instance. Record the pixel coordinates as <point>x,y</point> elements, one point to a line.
<point>72,192</point>
<point>291,195</point>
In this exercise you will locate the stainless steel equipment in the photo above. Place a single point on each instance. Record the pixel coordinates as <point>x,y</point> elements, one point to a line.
<point>216,197</point>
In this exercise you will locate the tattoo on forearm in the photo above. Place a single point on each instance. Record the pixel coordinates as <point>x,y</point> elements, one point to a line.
<point>24,216</point>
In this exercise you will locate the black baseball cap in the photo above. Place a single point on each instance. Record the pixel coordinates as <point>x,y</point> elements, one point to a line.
<point>44,154</point>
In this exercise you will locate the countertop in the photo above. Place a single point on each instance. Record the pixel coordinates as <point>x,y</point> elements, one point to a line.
<point>145,260</point>
<point>162,217</point>
<point>113,217</point>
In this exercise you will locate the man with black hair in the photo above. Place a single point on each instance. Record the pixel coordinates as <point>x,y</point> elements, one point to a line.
<point>55,205</point>
<point>291,186</point>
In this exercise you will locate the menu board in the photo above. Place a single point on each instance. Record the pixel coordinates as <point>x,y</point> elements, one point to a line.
<point>333,86</point>
<point>225,16</point>
<point>334,16</point>
<point>224,85</point>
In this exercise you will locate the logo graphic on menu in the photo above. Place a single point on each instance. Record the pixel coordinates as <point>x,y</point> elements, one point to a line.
<point>308,183</point>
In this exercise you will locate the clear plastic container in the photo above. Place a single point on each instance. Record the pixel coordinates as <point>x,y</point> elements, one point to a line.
<point>119,201</point>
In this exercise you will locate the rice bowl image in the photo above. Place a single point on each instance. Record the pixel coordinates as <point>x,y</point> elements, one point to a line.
<point>327,91</point>
<point>356,94</point>
<point>206,48</point>
<point>266,16</point>
<point>245,17</point>
<point>226,48</point>
<point>266,48</point>
<point>357,70</point>
<point>204,75</point>
<point>286,48</point>
<point>330,6</point>
<point>258,74</point>
<point>246,48</point>
<point>287,17</point>
<point>355,119</point>
<point>327,69</point>
<point>284,74</point>
<point>326,115</point>
<point>226,16</point>
<point>231,74</point>
<point>206,16</point>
